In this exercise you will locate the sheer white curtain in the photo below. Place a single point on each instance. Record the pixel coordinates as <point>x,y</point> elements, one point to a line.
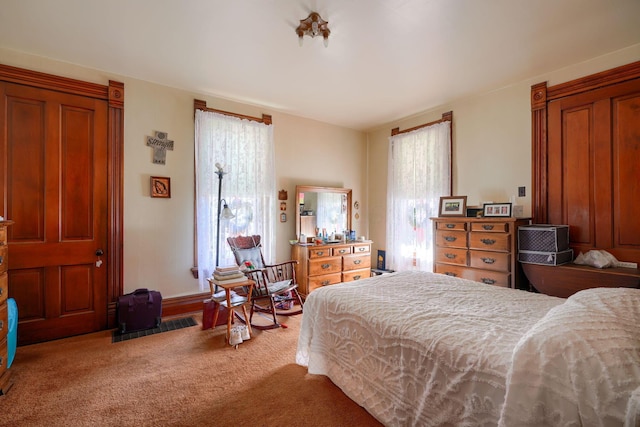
<point>332,212</point>
<point>245,148</point>
<point>419,174</point>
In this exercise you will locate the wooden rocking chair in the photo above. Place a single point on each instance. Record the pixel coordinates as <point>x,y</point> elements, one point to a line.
<point>275,291</point>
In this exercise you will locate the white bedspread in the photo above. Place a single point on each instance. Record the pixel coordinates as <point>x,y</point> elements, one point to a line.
<point>579,365</point>
<point>417,348</point>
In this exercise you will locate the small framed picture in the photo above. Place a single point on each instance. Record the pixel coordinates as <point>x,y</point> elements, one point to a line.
<point>496,210</point>
<point>453,206</point>
<point>161,187</point>
<point>283,217</point>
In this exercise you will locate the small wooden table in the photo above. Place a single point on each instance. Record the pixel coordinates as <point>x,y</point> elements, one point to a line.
<point>237,301</point>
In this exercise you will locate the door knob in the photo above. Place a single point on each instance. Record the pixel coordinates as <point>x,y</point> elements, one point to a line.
<point>99,252</point>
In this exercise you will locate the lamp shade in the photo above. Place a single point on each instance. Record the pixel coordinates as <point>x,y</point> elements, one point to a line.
<point>226,213</point>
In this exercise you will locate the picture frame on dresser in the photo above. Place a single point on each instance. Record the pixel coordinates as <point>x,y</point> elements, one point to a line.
<point>496,210</point>
<point>453,206</point>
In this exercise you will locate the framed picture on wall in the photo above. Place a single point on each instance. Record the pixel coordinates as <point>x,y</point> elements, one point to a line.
<point>160,186</point>
<point>496,210</point>
<point>453,206</point>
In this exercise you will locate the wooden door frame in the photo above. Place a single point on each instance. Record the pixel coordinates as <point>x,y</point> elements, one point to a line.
<point>541,95</point>
<point>114,95</point>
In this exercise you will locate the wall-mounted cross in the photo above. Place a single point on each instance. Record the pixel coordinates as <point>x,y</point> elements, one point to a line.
<point>160,145</point>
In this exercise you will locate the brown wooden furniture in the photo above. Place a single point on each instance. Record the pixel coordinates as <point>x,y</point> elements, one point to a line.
<point>232,302</point>
<point>479,249</point>
<point>327,264</point>
<point>567,279</point>
<point>274,283</point>
<point>5,375</point>
<point>585,160</point>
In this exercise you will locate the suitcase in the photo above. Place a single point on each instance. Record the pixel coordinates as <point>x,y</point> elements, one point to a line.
<point>12,332</point>
<point>139,310</point>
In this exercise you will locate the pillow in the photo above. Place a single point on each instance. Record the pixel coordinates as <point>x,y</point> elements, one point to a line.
<point>623,303</point>
<point>272,287</point>
<point>253,255</point>
<point>581,361</point>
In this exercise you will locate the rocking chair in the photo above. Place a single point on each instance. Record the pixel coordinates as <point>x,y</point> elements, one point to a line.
<point>275,291</point>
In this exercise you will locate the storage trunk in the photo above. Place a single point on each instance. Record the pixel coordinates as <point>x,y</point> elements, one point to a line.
<point>546,258</point>
<point>141,309</point>
<point>543,238</point>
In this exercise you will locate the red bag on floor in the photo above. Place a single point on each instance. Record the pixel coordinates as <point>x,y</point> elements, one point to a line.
<point>209,307</point>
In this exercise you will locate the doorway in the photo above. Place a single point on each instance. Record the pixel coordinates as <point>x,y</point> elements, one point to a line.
<point>60,146</point>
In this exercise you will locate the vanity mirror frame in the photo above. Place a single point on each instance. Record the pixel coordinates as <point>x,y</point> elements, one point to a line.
<point>310,188</point>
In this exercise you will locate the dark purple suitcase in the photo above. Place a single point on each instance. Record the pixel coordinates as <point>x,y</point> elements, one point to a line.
<point>141,309</point>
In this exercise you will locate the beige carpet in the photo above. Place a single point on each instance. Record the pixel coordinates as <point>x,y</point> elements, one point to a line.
<point>186,377</point>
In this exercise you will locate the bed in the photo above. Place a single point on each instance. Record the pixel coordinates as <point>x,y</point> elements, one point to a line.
<point>425,349</point>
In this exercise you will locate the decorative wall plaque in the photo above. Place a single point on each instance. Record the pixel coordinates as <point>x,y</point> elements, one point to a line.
<point>160,144</point>
<point>161,187</point>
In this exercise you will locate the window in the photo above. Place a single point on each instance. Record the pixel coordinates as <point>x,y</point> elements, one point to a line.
<point>419,173</point>
<point>244,147</point>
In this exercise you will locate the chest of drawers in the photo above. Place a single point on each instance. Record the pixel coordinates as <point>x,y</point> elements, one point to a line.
<point>322,265</point>
<point>479,249</point>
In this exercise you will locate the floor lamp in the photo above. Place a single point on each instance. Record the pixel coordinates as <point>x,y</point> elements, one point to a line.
<point>223,212</point>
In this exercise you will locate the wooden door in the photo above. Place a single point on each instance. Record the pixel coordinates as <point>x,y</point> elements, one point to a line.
<point>54,149</point>
<point>593,158</point>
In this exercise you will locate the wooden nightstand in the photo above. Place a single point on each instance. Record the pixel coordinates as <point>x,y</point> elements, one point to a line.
<point>231,302</point>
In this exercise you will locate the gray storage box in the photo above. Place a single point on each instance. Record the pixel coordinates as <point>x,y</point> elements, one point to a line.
<point>543,238</point>
<point>546,258</point>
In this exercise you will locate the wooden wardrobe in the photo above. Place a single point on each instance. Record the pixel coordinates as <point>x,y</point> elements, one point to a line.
<point>586,160</point>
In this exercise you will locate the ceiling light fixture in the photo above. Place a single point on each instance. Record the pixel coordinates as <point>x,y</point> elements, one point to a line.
<point>313,26</point>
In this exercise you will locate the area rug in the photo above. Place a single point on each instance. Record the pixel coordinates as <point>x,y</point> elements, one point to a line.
<point>165,326</point>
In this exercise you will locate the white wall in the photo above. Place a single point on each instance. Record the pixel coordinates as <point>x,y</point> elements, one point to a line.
<point>158,233</point>
<point>492,157</point>
<point>491,141</point>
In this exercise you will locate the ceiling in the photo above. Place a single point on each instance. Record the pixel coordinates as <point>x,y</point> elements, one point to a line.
<point>386,59</point>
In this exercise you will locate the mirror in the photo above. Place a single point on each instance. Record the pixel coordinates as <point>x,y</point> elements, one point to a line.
<point>322,207</point>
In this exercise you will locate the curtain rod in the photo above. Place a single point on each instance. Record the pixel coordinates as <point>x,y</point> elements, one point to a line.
<point>199,104</point>
<point>446,117</point>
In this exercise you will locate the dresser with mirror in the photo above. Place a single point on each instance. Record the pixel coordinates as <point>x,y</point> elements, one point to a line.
<point>337,258</point>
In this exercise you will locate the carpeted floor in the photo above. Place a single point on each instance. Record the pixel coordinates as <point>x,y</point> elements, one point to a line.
<point>188,377</point>
<point>165,326</point>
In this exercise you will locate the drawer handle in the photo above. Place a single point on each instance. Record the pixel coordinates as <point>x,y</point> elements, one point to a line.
<point>488,241</point>
<point>1,325</point>
<point>1,259</point>
<point>324,283</point>
<point>488,260</point>
<point>450,238</point>
<point>488,227</point>
<point>448,273</point>
<point>357,261</point>
<point>487,281</point>
<point>450,225</point>
<point>1,291</point>
<point>362,249</point>
<point>320,253</point>
<point>450,256</point>
<point>325,266</point>
<point>356,277</point>
<point>342,251</point>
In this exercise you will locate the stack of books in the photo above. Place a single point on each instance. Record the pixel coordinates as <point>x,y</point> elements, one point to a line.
<point>224,276</point>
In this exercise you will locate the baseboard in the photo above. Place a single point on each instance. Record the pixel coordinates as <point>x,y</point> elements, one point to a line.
<point>170,306</point>
<point>184,304</point>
